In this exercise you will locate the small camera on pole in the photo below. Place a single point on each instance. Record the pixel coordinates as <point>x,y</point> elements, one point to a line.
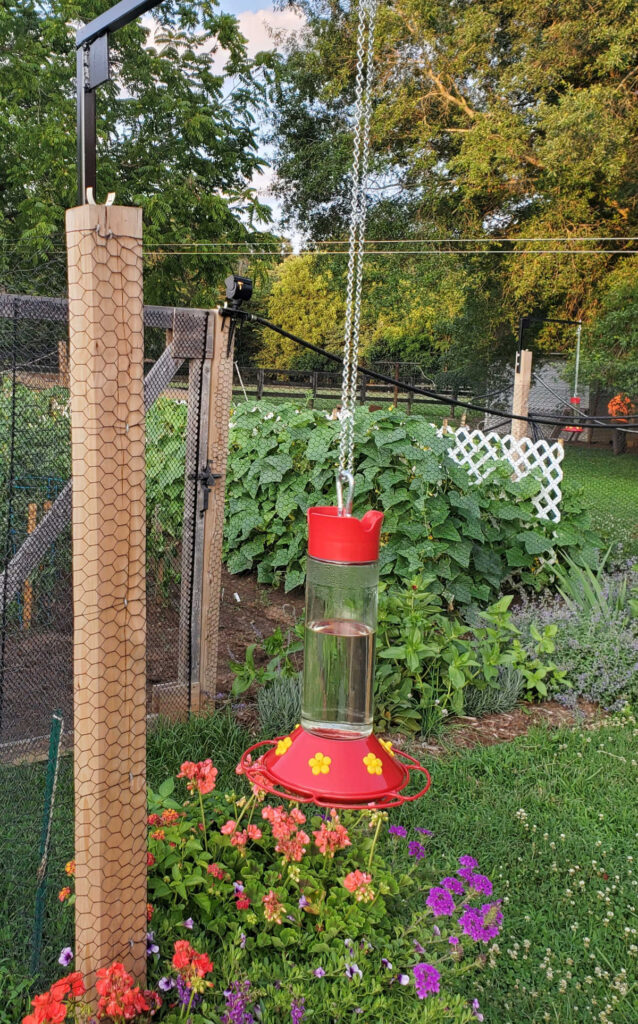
<point>238,290</point>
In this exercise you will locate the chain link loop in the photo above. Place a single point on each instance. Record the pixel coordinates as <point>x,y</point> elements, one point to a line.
<point>363,110</point>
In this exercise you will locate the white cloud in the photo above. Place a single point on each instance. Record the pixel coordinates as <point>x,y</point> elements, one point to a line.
<point>261,27</point>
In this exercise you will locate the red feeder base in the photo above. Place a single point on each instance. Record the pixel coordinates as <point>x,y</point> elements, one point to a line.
<point>333,772</point>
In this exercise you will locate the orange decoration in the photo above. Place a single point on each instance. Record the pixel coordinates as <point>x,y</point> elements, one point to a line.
<point>621,406</point>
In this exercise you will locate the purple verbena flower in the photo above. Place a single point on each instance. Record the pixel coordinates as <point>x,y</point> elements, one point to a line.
<point>423,831</point>
<point>416,849</point>
<point>427,980</point>
<point>468,862</point>
<point>481,925</point>
<point>398,830</point>
<point>297,1010</point>
<point>480,883</point>
<point>466,873</point>
<point>453,885</point>
<point>453,940</point>
<point>440,902</point>
<point>351,970</point>
<point>65,956</point>
<point>319,972</point>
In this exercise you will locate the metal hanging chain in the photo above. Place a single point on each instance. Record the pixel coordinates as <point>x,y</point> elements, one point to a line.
<point>363,110</point>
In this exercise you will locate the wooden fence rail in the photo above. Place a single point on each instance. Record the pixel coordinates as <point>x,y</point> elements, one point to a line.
<point>324,385</point>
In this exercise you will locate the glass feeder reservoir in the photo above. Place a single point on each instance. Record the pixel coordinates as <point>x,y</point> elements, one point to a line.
<point>342,577</point>
<point>333,758</point>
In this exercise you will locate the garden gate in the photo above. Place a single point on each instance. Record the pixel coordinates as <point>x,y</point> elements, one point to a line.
<point>186,440</point>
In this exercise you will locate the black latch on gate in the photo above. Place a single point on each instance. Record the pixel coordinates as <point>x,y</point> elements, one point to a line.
<point>206,479</point>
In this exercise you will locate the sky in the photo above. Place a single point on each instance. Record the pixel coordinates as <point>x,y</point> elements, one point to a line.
<point>255,19</point>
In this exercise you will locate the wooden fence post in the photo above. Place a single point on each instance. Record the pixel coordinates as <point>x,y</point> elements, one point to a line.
<point>104,245</point>
<point>520,400</point>
<point>27,590</point>
<point>315,385</point>
<point>260,384</point>
<point>221,385</point>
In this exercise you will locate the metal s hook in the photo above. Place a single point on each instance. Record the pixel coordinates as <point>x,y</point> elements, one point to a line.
<point>344,476</point>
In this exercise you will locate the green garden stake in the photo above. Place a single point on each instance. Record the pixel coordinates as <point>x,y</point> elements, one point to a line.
<point>53,765</point>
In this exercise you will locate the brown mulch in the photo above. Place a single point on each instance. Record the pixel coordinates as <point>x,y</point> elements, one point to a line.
<point>465,732</point>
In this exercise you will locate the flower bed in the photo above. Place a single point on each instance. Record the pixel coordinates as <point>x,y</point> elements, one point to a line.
<point>264,912</point>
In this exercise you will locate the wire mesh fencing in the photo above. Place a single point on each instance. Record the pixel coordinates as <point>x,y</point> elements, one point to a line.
<point>36,599</point>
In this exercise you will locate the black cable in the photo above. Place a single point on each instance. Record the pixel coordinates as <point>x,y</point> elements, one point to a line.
<point>243,314</point>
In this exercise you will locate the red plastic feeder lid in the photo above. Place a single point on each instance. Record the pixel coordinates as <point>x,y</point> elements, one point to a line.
<point>335,538</point>
<point>575,400</point>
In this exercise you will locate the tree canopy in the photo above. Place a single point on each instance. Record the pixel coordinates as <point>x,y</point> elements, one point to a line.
<point>509,118</point>
<point>177,132</point>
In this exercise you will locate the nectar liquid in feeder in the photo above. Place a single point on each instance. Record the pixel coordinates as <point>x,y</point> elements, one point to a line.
<point>341,619</point>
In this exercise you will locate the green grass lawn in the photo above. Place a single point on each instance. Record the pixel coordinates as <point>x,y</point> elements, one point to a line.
<point>551,817</point>
<point>611,491</point>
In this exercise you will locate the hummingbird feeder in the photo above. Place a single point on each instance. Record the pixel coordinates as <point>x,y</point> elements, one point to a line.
<point>333,758</point>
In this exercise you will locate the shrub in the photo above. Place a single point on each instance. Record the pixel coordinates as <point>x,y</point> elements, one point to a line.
<point>279,705</point>
<point>427,657</point>
<point>595,619</point>
<point>469,537</point>
<point>497,699</point>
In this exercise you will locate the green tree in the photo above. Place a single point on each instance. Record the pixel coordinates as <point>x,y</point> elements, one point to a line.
<point>510,117</point>
<point>610,343</point>
<point>306,301</point>
<point>176,135</point>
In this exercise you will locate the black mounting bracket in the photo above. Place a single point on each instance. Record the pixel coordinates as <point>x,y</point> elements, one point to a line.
<point>92,70</point>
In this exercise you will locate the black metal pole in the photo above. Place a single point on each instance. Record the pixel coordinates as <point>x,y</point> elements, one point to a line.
<point>521,327</point>
<point>87,129</point>
<point>92,69</point>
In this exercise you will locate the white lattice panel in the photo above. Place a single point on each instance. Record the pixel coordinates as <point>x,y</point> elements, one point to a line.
<point>479,454</point>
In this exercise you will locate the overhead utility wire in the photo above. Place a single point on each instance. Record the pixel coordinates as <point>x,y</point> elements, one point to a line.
<point>242,314</point>
<point>397,252</point>
<point>426,241</point>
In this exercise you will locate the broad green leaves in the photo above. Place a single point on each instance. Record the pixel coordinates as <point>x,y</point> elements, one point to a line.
<point>469,537</point>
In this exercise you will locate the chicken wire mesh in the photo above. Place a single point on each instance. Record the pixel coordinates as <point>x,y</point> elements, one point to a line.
<point>36,623</point>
